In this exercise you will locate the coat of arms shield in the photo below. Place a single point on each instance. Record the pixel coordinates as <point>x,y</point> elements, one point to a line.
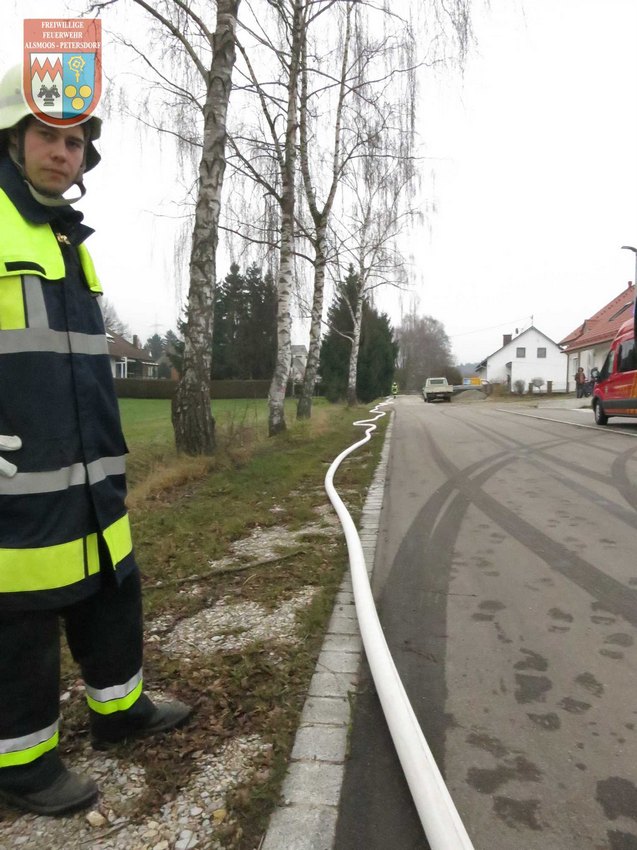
<point>62,69</point>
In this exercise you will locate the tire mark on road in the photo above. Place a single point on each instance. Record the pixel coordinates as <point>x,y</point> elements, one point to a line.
<point>619,471</point>
<point>618,478</point>
<point>411,607</point>
<point>429,543</point>
<point>611,594</point>
<point>413,603</point>
<point>530,452</point>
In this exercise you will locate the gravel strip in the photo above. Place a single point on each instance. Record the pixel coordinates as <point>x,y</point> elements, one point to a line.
<point>189,821</point>
<point>218,627</point>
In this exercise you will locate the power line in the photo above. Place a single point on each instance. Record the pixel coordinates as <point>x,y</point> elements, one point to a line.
<point>492,328</point>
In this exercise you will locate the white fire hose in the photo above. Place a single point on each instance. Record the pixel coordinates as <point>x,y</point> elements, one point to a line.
<point>438,815</point>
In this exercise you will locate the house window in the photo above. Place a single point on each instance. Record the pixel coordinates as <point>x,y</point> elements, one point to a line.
<point>520,352</point>
<point>541,353</point>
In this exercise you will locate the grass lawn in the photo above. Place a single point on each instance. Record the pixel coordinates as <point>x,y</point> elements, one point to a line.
<point>188,512</point>
<point>153,464</point>
<point>148,420</point>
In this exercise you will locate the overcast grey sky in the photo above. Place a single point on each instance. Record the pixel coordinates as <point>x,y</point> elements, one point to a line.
<point>533,172</point>
<point>536,189</point>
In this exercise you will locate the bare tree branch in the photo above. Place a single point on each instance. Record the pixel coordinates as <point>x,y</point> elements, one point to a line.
<point>178,35</point>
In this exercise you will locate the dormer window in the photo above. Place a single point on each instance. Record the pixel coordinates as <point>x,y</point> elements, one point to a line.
<point>621,310</point>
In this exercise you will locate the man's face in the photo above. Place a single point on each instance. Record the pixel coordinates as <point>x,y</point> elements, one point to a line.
<point>53,156</point>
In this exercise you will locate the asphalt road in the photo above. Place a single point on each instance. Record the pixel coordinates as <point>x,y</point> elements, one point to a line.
<point>506,581</point>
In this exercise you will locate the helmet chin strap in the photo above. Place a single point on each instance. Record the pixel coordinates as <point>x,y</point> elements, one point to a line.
<point>55,200</point>
<point>47,200</point>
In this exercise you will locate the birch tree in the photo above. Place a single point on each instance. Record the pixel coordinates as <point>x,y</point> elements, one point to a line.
<point>377,67</point>
<point>320,213</point>
<point>370,238</point>
<point>192,419</point>
<point>379,184</point>
<point>372,125</point>
<point>210,55</point>
<point>266,149</point>
<point>266,153</point>
<point>317,36</point>
<point>287,162</point>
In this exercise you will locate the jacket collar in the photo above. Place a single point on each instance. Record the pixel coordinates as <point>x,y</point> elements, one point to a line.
<point>65,219</point>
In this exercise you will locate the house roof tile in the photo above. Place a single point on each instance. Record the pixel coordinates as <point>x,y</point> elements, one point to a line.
<point>120,347</point>
<point>603,325</point>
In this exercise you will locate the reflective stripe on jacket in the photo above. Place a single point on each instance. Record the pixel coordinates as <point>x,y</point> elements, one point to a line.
<point>63,514</point>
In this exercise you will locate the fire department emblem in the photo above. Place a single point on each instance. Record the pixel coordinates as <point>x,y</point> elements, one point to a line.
<point>62,69</point>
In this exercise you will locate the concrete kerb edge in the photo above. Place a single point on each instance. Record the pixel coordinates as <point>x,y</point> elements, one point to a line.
<point>306,817</point>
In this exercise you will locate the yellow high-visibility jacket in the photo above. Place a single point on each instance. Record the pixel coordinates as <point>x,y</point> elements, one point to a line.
<point>63,515</point>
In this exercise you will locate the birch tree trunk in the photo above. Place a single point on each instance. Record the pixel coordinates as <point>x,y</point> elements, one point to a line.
<point>352,398</point>
<point>320,217</point>
<point>278,385</point>
<point>276,395</point>
<point>192,418</point>
<point>304,407</point>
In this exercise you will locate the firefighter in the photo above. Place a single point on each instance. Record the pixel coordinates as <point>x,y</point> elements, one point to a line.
<point>65,545</point>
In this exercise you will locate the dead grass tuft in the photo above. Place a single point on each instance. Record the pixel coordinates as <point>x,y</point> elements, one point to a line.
<point>161,482</point>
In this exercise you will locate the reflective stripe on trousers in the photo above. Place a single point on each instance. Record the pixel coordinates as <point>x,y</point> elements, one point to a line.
<point>115,698</point>
<point>27,748</point>
<point>104,634</point>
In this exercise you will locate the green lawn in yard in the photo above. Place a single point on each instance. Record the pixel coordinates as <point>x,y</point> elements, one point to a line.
<point>149,433</point>
<point>148,420</point>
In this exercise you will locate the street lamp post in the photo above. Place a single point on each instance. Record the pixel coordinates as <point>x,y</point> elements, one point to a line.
<point>634,250</point>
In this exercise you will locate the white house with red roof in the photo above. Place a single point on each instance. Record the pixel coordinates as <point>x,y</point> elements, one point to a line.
<point>588,344</point>
<point>526,357</point>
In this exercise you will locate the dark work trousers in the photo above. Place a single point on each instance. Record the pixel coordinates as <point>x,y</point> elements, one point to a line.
<point>105,635</point>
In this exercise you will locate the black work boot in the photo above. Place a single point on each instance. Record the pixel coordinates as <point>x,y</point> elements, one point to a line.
<point>162,717</point>
<point>67,793</point>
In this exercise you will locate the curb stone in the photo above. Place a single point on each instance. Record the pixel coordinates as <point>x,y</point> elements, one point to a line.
<point>306,817</point>
<point>568,403</point>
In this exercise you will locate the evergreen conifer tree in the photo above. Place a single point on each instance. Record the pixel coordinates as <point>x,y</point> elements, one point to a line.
<point>377,352</point>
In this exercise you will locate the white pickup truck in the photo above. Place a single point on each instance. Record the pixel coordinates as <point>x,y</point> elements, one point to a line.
<point>437,388</point>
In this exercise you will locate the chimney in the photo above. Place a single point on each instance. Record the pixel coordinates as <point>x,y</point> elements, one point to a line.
<point>506,339</point>
<point>135,340</point>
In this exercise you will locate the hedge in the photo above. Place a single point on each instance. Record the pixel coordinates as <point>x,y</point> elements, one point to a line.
<point>165,388</point>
